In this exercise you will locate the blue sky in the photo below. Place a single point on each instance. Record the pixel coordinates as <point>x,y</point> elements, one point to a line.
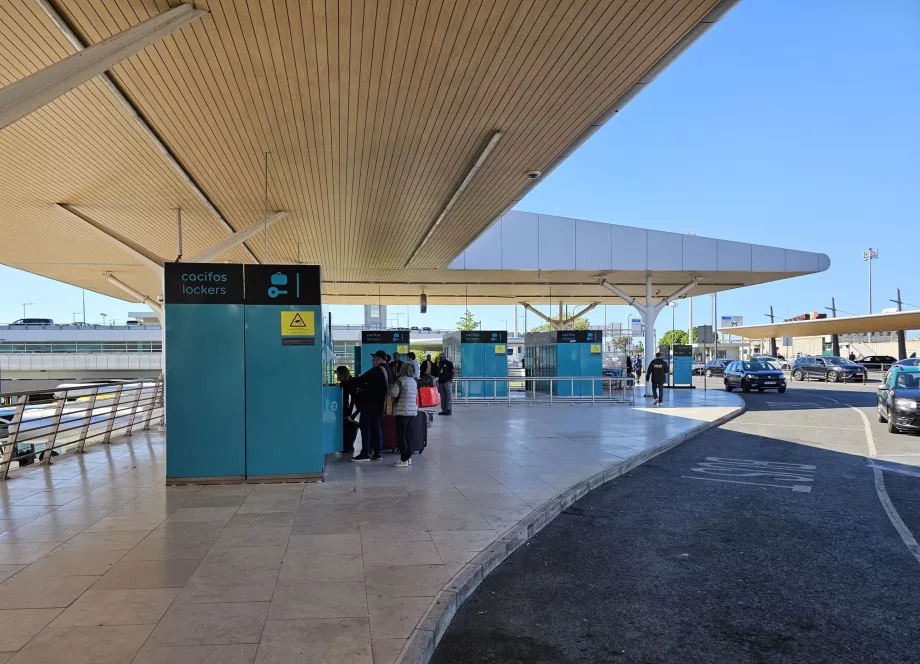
<point>789,123</point>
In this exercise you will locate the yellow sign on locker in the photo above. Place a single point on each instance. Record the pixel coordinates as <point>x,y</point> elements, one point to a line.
<point>402,349</point>
<point>500,349</point>
<point>595,349</point>
<point>297,324</point>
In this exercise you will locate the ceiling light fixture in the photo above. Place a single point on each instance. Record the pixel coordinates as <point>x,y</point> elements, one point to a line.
<point>453,199</point>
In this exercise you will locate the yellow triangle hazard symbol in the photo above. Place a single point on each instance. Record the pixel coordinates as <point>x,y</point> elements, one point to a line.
<point>297,321</point>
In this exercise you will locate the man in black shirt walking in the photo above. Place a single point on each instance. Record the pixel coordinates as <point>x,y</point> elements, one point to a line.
<point>657,374</point>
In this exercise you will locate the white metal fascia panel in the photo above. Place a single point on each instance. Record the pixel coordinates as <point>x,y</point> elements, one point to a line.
<point>592,246</point>
<point>628,246</point>
<point>767,259</point>
<point>801,261</point>
<point>700,253</point>
<point>665,251</point>
<point>486,252</point>
<point>520,241</point>
<point>734,256</point>
<point>557,242</point>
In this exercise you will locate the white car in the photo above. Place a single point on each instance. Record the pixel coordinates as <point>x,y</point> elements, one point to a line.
<point>698,368</point>
<point>783,365</point>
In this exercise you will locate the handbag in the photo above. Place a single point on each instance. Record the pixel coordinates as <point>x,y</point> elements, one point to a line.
<point>388,401</point>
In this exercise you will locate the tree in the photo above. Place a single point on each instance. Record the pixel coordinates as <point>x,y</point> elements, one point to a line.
<point>621,343</point>
<point>467,323</point>
<point>578,324</point>
<point>673,337</point>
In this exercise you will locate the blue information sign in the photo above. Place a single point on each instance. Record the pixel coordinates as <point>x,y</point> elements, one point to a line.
<point>682,364</point>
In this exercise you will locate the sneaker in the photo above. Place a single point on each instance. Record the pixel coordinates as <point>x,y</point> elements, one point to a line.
<point>447,413</point>
<point>409,462</point>
<point>361,457</point>
<point>401,464</point>
<point>441,413</point>
<point>376,457</point>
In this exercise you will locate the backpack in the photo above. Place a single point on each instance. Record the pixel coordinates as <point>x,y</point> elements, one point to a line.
<point>388,400</point>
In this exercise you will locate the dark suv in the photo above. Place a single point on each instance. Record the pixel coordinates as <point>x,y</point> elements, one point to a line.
<point>877,362</point>
<point>827,367</point>
<point>754,375</point>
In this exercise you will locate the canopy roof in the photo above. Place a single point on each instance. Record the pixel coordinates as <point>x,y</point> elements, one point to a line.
<point>541,259</point>
<point>374,115</point>
<point>892,322</point>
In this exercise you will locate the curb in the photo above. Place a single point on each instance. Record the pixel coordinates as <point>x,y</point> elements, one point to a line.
<point>424,639</point>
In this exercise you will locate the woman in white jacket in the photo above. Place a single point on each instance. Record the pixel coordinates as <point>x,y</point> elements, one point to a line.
<point>404,391</point>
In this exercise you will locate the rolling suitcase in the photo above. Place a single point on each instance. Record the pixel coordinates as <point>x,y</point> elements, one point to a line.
<point>428,397</point>
<point>419,433</point>
<point>388,424</point>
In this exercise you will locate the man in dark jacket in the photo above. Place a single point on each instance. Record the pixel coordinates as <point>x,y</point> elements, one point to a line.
<point>657,373</point>
<point>373,385</point>
<point>349,409</point>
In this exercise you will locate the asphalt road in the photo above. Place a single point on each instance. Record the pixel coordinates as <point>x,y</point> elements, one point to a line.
<point>682,561</point>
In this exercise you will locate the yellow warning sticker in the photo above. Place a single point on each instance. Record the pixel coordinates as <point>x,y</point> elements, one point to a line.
<point>297,324</point>
<point>402,349</point>
<point>500,349</point>
<point>595,348</point>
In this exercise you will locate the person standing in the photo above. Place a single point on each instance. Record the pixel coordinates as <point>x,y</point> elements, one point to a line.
<point>410,359</point>
<point>396,365</point>
<point>404,392</point>
<point>852,357</point>
<point>373,386</point>
<point>349,409</point>
<point>638,365</point>
<point>446,384</point>
<point>657,373</point>
<point>427,366</point>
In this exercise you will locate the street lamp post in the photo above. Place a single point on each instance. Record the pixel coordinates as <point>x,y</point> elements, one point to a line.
<point>24,305</point>
<point>870,255</point>
<point>505,322</point>
<point>103,318</point>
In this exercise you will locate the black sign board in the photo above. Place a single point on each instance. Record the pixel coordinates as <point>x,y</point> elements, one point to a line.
<point>203,283</point>
<point>283,284</point>
<point>579,337</point>
<point>483,337</point>
<point>384,337</point>
<point>681,350</point>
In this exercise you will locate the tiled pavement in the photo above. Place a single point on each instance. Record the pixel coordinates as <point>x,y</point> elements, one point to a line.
<point>101,563</point>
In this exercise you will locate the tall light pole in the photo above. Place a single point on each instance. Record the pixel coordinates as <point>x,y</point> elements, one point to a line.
<point>870,255</point>
<point>24,305</point>
<point>103,318</point>
<point>74,314</point>
<point>505,321</point>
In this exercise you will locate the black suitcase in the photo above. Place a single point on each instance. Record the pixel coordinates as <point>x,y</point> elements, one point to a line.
<point>419,433</point>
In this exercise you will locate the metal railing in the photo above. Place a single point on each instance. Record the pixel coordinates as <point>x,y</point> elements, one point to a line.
<point>539,390</point>
<point>36,425</point>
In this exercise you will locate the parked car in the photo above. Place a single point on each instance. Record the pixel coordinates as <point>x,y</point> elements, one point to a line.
<point>779,362</point>
<point>909,362</point>
<point>414,329</point>
<point>716,367</point>
<point>426,329</point>
<point>33,321</point>
<point>759,376</point>
<point>877,362</point>
<point>698,368</point>
<point>827,367</point>
<point>131,322</point>
<point>899,399</point>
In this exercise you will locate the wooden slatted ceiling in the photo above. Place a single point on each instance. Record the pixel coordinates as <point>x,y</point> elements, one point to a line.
<point>372,113</point>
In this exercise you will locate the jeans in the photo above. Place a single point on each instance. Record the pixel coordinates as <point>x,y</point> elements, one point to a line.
<point>371,433</point>
<point>446,392</point>
<point>404,436</point>
<point>657,390</point>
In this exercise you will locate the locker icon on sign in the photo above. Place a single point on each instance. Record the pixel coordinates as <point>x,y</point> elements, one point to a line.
<point>277,279</point>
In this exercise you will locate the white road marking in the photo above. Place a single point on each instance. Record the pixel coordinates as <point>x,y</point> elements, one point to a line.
<point>793,405</point>
<point>778,471</point>
<point>906,536</point>
<point>802,426</point>
<point>795,487</point>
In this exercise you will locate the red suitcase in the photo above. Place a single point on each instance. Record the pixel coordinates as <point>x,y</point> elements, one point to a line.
<point>388,424</point>
<point>428,397</point>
